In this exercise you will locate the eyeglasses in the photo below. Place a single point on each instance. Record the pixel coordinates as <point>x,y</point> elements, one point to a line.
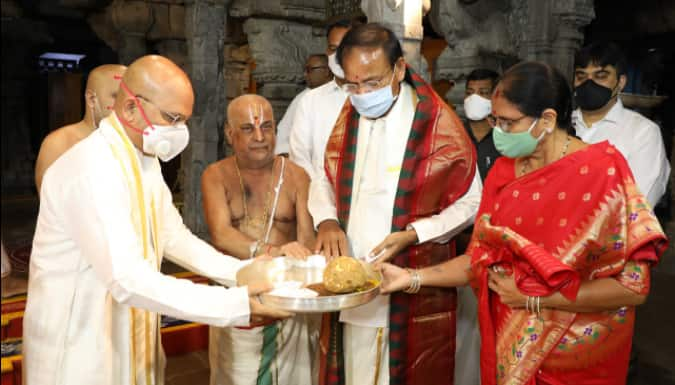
<point>503,123</point>
<point>367,86</point>
<point>170,117</point>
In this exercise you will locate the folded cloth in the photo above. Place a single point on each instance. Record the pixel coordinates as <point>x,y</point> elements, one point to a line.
<point>536,271</point>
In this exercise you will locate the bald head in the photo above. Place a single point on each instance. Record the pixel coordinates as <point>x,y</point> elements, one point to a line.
<point>239,107</point>
<point>251,129</point>
<point>162,82</point>
<point>153,91</point>
<point>101,91</point>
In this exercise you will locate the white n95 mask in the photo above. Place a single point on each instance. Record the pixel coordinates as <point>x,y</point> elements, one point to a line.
<point>477,107</point>
<point>165,142</point>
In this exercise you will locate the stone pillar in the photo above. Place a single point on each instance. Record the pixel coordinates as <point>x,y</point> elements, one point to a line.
<point>168,32</point>
<point>280,36</point>
<point>280,48</point>
<point>205,23</point>
<point>132,19</point>
<point>572,17</point>
<point>496,34</point>
<point>404,17</point>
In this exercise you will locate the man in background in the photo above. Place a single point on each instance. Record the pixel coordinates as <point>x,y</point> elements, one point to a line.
<point>99,96</point>
<point>316,74</point>
<point>599,77</point>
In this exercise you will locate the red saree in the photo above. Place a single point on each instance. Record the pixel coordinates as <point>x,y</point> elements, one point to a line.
<point>577,219</point>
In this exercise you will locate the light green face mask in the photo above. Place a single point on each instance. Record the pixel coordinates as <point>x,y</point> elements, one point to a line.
<point>515,145</point>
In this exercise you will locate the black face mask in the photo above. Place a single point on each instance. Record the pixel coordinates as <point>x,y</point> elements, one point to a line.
<point>591,96</point>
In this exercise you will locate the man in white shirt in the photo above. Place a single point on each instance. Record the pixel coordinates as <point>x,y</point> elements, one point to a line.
<point>316,113</point>
<point>106,220</point>
<point>599,77</point>
<point>401,179</point>
<point>316,75</point>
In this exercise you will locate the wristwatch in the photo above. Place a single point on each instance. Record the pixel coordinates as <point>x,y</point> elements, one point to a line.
<point>409,227</point>
<point>253,248</point>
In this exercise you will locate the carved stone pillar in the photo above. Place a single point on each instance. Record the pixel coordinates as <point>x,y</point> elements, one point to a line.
<point>168,32</point>
<point>133,20</point>
<point>205,23</point>
<point>280,48</point>
<point>497,33</point>
<point>572,16</point>
<point>477,36</point>
<point>280,37</point>
<point>405,19</point>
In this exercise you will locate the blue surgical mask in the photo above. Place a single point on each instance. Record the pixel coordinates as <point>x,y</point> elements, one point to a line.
<point>374,104</point>
<point>516,145</point>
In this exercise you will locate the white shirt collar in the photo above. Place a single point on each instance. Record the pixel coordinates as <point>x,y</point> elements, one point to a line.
<point>612,116</point>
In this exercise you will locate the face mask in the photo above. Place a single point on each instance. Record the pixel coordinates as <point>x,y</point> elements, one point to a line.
<point>335,67</point>
<point>374,104</point>
<point>477,107</point>
<point>591,96</point>
<point>165,142</point>
<point>515,145</point>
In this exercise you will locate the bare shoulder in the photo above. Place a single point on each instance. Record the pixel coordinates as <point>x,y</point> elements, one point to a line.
<point>58,141</point>
<point>297,176</point>
<point>218,172</point>
<point>296,173</point>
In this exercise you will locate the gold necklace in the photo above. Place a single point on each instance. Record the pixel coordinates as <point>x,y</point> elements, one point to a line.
<point>562,154</point>
<point>266,207</point>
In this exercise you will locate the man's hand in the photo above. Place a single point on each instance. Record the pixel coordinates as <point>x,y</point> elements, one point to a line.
<point>331,241</point>
<point>393,244</point>
<point>259,311</point>
<point>295,250</point>
<point>394,278</point>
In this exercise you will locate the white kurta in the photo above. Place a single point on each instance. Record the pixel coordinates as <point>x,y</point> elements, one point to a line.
<point>379,155</point>
<point>639,141</point>
<point>313,122</point>
<point>87,271</point>
<point>286,124</point>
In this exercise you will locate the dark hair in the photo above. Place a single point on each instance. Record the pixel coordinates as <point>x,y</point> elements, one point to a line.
<point>534,87</point>
<point>342,23</point>
<point>483,74</point>
<point>320,56</point>
<point>602,54</point>
<point>372,35</point>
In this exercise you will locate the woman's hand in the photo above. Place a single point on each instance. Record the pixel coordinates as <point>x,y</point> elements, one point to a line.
<point>394,278</point>
<point>505,286</point>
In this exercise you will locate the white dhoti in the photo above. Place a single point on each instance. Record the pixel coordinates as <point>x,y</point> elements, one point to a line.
<point>366,355</point>
<point>284,352</point>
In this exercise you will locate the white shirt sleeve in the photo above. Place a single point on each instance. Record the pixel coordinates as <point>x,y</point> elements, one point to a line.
<point>301,138</point>
<point>321,200</point>
<point>187,250</point>
<point>285,125</point>
<point>99,223</point>
<point>453,219</point>
<point>649,163</point>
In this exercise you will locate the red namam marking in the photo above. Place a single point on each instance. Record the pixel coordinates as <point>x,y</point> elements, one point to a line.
<point>497,93</point>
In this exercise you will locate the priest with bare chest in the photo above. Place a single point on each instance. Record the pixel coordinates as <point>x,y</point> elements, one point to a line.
<point>255,203</point>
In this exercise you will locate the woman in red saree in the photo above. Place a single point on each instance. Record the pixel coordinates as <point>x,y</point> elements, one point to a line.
<point>562,245</point>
